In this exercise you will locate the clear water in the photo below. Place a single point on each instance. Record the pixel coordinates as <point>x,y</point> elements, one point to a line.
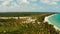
<point>55,20</point>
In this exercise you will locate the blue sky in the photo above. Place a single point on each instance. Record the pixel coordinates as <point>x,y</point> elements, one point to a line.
<point>29,5</point>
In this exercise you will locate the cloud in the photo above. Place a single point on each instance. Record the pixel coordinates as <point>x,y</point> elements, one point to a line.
<point>6,2</point>
<point>1,0</point>
<point>50,2</point>
<point>14,8</point>
<point>45,1</point>
<point>53,3</point>
<point>23,1</point>
<point>26,5</point>
<point>33,0</point>
<point>13,2</point>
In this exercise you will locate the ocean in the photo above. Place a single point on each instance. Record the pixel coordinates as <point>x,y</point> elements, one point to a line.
<point>55,20</point>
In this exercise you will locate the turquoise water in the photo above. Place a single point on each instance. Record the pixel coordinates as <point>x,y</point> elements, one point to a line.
<point>55,20</point>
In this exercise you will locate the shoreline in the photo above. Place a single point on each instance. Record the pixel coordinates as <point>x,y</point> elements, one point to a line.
<point>46,19</point>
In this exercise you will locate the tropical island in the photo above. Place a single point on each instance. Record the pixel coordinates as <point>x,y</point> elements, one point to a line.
<point>26,23</point>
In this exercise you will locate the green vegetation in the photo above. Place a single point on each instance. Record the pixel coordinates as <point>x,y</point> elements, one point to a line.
<point>17,14</point>
<point>7,20</point>
<point>30,28</point>
<point>12,26</point>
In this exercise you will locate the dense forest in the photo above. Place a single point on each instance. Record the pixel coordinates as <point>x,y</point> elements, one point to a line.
<point>12,26</point>
<point>16,14</point>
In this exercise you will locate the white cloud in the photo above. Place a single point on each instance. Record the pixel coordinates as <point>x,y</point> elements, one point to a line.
<point>53,3</point>
<point>50,2</point>
<point>6,2</point>
<point>16,8</point>
<point>45,1</point>
<point>23,6</point>
<point>1,0</point>
<point>33,0</point>
<point>23,1</point>
<point>55,0</point>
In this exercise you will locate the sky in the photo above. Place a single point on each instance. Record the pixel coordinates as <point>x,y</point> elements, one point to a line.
<point>29,5</point>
